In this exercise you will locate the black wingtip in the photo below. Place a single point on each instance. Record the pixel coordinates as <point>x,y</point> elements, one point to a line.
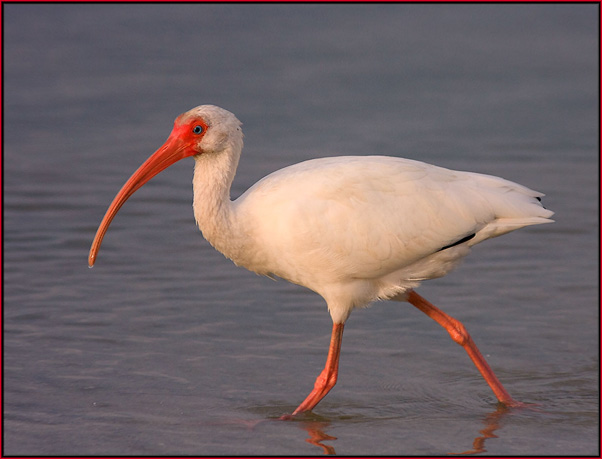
<point>464,239</point>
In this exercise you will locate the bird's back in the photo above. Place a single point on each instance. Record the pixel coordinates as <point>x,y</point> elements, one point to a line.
<point>337,220</point>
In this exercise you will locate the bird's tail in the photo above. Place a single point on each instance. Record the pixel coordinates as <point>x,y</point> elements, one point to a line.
<point>515,207</point>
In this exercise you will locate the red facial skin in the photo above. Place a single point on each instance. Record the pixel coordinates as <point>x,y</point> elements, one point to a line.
<point>183,142</point>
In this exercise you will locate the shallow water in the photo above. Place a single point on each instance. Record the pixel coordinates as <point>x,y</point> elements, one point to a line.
<point>166,348</point>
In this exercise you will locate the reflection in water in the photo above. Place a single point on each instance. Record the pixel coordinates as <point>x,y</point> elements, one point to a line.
<point>317,436</point>
<point>316,429</point>
<point>492,423</point>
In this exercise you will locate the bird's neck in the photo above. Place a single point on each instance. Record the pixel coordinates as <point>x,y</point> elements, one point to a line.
<point>213,210</point>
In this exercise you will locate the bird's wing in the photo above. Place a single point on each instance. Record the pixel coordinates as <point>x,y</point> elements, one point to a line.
<point>370,216</point>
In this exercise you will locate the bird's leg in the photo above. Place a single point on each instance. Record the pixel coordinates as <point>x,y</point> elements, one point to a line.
<point>459,334</point>
<point>328,378</point>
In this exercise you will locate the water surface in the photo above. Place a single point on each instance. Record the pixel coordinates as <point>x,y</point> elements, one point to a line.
<point>166,348</point>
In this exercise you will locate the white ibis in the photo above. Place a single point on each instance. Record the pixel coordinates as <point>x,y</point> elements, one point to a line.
<point>353,229</point>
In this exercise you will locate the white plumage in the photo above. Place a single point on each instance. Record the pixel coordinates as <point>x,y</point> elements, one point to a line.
<point>352,229</point>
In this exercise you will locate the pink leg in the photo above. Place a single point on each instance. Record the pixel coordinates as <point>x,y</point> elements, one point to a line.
<point>459,334</point>
<point>328,378</point>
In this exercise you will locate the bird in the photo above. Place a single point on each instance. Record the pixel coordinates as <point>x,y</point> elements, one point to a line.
<point>353,229</point>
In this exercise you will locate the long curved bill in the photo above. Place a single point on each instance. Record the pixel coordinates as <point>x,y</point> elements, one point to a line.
<point>173,150</point>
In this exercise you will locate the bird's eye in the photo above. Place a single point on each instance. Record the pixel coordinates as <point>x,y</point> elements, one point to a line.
<point>197,129</point>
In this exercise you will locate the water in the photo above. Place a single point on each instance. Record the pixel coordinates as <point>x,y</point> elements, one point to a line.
<point>166,348</point>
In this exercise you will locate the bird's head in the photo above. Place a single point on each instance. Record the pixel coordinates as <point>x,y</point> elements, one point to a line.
<point>208,129</point>
<point>205,129</point>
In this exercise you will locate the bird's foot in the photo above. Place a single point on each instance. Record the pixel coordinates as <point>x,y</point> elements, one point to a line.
<point>520,405</point>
